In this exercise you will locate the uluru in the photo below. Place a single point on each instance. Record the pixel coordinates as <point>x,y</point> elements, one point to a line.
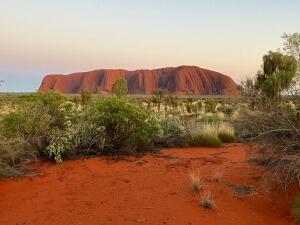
<point>182,80</point>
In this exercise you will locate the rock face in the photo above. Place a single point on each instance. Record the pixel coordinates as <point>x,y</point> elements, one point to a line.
<point>183,80</point>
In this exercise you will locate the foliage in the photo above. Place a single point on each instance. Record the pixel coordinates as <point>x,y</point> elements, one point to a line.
<point>172,133</point>
<point>61,142</point>
<point>210,118</point>
<point>12,152</point>
<point>31,122</point>
<point>228,110</point>
<point>86,97</point>
<point>173,101</point>
<point>158,97</point>
<point>119,88</point>
<point>278,73</point>
<point>80,135</point>
<point>292,45</point>
<point>124,123</point>
<point>188,105</point>
<point>250,91</point>
<point>210,106</point>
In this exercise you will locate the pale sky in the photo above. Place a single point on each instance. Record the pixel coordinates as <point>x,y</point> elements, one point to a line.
<point>39,37</point>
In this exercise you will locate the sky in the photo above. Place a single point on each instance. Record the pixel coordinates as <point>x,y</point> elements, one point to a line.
<point>63,36</point>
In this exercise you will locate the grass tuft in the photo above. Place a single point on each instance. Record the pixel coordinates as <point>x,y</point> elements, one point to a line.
<point>207,200</point>
<point>206,136</point>
<point>226,133</point>
<point>194,176</point>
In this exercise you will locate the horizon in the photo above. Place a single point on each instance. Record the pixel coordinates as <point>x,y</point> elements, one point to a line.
<point>62,37</point>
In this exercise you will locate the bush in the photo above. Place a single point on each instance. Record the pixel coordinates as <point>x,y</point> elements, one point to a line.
<point>31,122</point>
<point>126,125</point>
<point>80,136</point>
<point>12,152</point>
<point>172,133</point>
<point>213,118</point>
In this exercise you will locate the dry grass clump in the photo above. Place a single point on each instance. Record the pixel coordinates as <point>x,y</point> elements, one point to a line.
<point>206,135</point>
<point>207,200</point>
<point>194,177</point>
<point>226,133</point>
<point>212,134</point>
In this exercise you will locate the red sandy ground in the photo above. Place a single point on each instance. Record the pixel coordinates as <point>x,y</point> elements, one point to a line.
<point>148,190</point>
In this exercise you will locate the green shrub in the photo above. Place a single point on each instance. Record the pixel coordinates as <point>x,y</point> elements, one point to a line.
<point>126,125</point>
<point>12,152</point>
<point>296,208</point>
<point>172,133</point>
<point>79,137</point>
<point>32,123</point>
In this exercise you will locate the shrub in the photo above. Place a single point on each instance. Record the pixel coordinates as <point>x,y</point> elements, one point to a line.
<point>210,106</point>
<point>31,122</point>
<point>226,133</point>
<point>12,152</point>
<point>206,135</point>
<point>172,133</point>
<point>80,136</point>
<point>296,207</point>
<point>125,124</point>
<point>228,110</point>
<point>212,118</point>
<point>86,97</point>
<point>119,88</point>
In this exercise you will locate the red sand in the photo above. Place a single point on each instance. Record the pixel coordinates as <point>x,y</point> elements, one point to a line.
<point>147,190</point>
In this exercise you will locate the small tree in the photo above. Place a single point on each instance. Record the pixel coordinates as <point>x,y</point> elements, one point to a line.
<point>158,97</point>
<point>119,88</point>
<point>1,82</point>
<point>278,73</point>
<point>249,90</point>
<point>292,45</point>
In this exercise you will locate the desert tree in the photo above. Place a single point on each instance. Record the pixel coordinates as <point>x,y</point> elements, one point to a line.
<point>172,100</point>
<point>277,75</point>
<point>158,97</point>
<point>249,90</point>
<point>292,45</point>
<point>120,88</point>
